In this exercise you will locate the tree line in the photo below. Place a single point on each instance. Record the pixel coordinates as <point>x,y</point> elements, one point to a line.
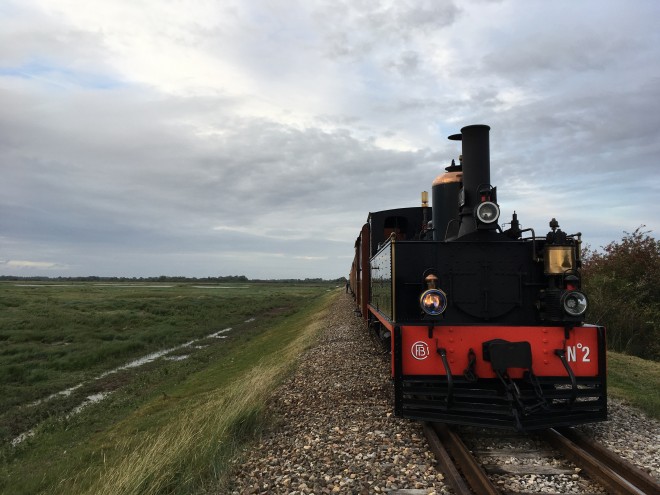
<point>170,279</point>
<point>623,286</point>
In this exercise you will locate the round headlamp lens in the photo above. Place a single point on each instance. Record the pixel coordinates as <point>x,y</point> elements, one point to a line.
<point>488,212</point>
<point>433,302</point>
<point>575,303</point>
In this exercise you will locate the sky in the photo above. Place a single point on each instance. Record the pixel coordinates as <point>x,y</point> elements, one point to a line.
<point>239,137</point>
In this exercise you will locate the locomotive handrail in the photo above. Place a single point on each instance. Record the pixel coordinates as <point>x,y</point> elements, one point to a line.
<point>561,353</point>
<point>450,380</point>
<point>533,239</point>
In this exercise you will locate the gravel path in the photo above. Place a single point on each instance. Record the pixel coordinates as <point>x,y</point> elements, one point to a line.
<point>335,432</point>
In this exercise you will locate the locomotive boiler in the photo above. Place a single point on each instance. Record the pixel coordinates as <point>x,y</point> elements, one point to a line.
<point>485,325</point>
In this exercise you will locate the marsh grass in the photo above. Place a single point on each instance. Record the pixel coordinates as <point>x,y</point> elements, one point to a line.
<point>172,426</point>
<point>54,337</point>
<point>191,449</point>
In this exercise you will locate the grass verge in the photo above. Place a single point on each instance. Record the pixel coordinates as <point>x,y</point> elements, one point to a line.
<point>635,380</point>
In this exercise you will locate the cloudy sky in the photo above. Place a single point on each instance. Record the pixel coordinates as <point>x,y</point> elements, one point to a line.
<point>218,137</point>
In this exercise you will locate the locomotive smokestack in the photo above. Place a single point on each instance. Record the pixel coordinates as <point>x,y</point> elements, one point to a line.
<point>476,160</point>
<point>476,173</point>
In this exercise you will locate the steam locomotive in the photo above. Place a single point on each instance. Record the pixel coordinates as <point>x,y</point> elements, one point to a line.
<point>485,326</point>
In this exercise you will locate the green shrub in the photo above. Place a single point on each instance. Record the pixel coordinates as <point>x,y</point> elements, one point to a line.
<point>624,294</point>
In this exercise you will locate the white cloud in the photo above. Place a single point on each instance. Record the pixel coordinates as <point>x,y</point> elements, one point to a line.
<point>35,265</point>
<point>217,137</point>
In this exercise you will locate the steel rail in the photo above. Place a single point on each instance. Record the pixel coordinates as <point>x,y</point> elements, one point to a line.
<point>621,466</point>
<point>475,476</point>
<point>447,466</point>
<point>602,466</point>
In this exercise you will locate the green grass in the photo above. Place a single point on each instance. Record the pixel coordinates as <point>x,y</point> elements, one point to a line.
<point>183,418</point>
<point>53,337</point>
<point>61,328</point>
<point>635,380</point>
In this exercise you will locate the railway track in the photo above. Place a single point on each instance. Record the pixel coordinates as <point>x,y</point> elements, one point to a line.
<point>468,476</point>
<point>613,472</point>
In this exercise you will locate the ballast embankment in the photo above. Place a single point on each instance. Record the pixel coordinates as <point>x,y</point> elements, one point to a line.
<point>334,430</point>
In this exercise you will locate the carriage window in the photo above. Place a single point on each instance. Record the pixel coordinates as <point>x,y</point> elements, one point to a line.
<point>398,225</point>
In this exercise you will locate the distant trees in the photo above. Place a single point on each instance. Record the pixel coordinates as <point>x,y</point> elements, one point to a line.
<point>222,279</point>
<point>623,286</point>
<point>161,278</point>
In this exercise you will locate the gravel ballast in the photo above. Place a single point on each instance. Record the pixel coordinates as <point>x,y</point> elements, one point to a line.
<point>334,430</point>
<point>631,434</point>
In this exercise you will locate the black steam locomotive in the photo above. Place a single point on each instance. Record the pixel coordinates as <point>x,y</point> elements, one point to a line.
<point>485,326</point>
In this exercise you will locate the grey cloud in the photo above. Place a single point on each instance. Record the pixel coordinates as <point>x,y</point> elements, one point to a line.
<point>551,53</point>
<point>407,62</point>
<point>355,29</point>
<point>426,15</point>
<point>132,179</point>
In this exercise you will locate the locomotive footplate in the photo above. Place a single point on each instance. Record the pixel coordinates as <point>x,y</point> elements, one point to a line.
<point>487,404</point>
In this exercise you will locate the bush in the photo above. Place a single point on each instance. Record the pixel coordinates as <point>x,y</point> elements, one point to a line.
<point>624,294</point>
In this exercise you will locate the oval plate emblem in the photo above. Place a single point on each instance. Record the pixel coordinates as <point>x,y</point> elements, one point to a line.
<point>420,350</point>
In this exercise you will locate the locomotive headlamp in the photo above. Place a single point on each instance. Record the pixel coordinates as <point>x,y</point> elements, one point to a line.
<point>433,302</point>
<point>574,303</point>
<point>558,260</point>
<point>488,212</point>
